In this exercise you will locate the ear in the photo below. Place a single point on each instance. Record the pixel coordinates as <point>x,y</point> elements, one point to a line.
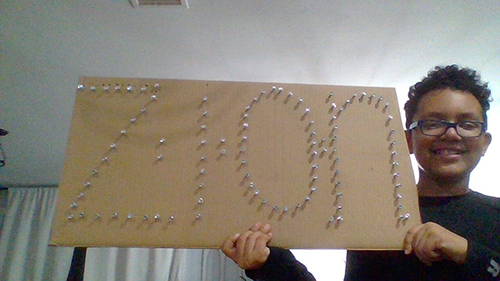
<point>486,140</point>
<point>408,140</point>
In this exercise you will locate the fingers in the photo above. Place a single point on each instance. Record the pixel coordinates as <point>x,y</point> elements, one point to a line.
<point>431,242</point>
<point>249,250</point>
<point>407,243</point>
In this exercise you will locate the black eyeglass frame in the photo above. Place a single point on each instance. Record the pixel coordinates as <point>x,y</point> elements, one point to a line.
<point>448,125</point>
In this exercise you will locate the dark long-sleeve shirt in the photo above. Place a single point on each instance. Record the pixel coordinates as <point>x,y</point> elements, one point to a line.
<point>473,216</point>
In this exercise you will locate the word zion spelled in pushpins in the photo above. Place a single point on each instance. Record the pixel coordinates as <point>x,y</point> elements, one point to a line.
<point>185,163</point>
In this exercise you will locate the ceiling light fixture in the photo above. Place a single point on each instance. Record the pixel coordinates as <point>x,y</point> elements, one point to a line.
<point>159,3</point>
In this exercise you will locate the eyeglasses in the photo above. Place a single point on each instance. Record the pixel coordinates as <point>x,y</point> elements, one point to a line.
<point>437,128</point>
<point>2,157</point>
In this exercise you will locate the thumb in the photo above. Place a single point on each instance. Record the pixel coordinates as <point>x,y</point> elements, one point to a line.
<point>228,247</point>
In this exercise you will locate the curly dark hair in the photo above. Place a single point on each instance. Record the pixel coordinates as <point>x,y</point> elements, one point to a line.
<point>448,77</point>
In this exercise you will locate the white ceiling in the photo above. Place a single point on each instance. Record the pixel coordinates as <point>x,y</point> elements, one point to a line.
<point>46,45</point>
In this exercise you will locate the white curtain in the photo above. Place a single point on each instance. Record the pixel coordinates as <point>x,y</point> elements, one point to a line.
<point>136,264</point>
<point>24,245</point>
<point>25,254</point>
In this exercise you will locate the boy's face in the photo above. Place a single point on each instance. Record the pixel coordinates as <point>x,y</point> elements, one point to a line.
<point>450,157</point>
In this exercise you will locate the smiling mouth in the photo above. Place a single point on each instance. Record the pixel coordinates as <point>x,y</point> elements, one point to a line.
<point>448,152</point>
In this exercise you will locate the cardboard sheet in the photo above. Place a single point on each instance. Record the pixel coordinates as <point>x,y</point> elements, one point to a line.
<point>185,163</point>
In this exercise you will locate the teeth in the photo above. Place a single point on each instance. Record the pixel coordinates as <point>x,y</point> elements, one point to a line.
<point>447,152</point>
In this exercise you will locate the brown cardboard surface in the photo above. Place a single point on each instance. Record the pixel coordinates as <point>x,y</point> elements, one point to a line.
<point>185,163</point>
